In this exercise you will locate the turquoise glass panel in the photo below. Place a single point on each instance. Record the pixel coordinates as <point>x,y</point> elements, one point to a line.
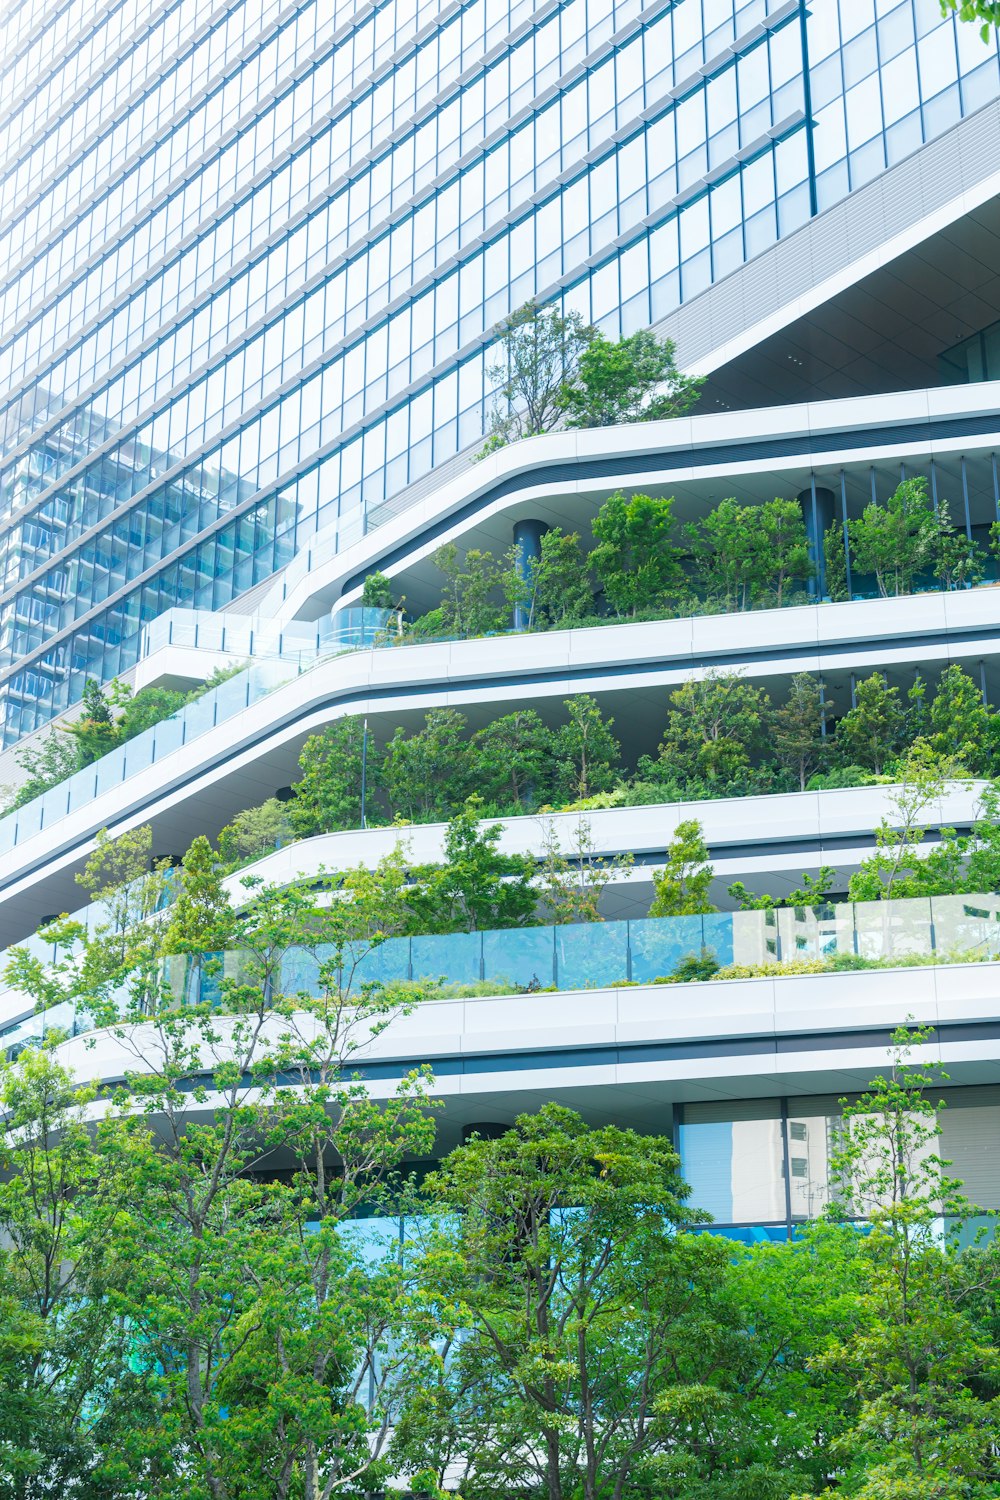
<point>452,959</point>
<point>591,955</point>
<point>522,957</point>
<point>383,965</point>
<point>717,935</point>
<point>659,944</point>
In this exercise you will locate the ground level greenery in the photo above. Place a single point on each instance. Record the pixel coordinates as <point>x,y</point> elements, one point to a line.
<point>189,1307</point>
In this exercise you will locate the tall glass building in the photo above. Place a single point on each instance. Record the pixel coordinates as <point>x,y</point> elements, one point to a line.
<point>253,259</point>
<point>252,254</point>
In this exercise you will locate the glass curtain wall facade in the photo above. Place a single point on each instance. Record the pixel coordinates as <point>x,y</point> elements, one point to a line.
<point>762,1166</point>
<point>251,255</point>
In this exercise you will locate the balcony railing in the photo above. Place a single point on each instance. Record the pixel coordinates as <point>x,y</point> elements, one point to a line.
<point>599,955</point>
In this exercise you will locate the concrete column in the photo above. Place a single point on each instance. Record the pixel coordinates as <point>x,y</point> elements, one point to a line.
<point>527,547</point>
<point>818,509</point>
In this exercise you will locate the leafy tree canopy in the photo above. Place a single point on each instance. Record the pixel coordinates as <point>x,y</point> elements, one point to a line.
<point>635,379</point>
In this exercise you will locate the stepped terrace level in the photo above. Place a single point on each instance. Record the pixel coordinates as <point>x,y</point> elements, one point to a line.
<point>239,744</point>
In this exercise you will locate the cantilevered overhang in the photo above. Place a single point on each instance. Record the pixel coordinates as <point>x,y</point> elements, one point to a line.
<point>562,478</point>
<point>630,669</point>
<point>629,1054</point>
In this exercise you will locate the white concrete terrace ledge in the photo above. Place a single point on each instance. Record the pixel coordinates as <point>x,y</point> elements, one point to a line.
<point>648,658</point>
<point>789,1033</point>
<point>808,431</point>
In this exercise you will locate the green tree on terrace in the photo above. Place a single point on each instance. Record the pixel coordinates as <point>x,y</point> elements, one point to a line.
<point>328,791</point>
<point>716,726</point>
<point>512,758</point>
<point>377,592</point>
<point>639,566</point>
<point>960,726</point>
<point>799,740</point>
<point>786,546</point>
<point>472,601</point>
<point>730,554</point>
<point>538,351</point>
<point>571,884</point>
<point>682,886</point>
<point>255,832</point>
<point>427,774</point>
<point>557,591</point>
<point>958,561</point>
<point>95,731</point>
<point>898,540</point>
<point>587,754</point>
<point>634,379</point>
<point>477,887</point>
<point>871,733</point>
<point>896,868</point>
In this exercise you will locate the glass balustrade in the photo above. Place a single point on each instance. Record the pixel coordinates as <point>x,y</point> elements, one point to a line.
<point>598,955</point>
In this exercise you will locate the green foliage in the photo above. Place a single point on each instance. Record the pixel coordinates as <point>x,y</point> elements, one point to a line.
<point>587,754</point>
<point>201,920</point>
<point>633,380</point>
<point>693,966</point>
<point>922,1375</point>
<point>552,367</point>
<point>747,553</point>
<point>958,561</point>
<point>730,555</point>
<point>898,540</point>
<point>557,1258</point>
<point>178,1321</point>
<point>682,886</point>
<point>896,869</point>
<point>50,761</point>
<point>95,731</point>
<point>570,886</point>
<point>538,351</point>
<point>872,732</point>
<point>109,718</point>
<point>328,792</point>
<point>69,1395</point>
<point>799,741</point>
<point>427,774</point>
<point>513,757</point>
<point>635,559</point>
<point>985,13</point>
<point>959,727</point>
<point>715,726</point>
<point>255,832</point>
<point>786,546</point>
<point>477,887</point>
<point>835,562</point>
<point>376,592</point>
<point>557,591</point>
<point>840,776</point>
<point>471,599</point>
<point>213,1334</point>
<point>814,891</point>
